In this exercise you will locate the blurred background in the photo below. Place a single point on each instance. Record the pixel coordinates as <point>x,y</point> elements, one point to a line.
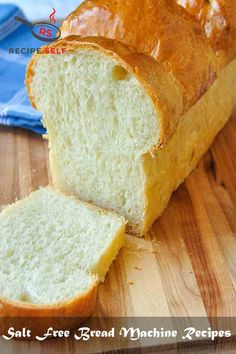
<point>41,9</point>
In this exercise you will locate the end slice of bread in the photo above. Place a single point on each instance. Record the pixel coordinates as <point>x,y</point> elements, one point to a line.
<point>54,250</point>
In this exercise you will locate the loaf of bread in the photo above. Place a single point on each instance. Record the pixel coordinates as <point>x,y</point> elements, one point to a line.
<point>136,100</point>
<point>54,250</point>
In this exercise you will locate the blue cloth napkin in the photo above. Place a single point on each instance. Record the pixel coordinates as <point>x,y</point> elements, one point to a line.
<point>15,108</point>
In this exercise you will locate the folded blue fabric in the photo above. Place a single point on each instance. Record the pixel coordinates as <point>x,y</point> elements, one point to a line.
<point>15,108</point>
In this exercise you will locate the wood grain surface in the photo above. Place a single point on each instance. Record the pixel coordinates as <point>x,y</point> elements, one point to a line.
<point>186,265</point>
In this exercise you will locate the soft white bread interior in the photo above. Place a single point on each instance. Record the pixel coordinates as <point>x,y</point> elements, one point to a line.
<point>101,120</point>
<point>55,249</point>
<point>106,112</point>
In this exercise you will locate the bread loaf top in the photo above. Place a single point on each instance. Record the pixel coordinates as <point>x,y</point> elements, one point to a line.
<point>162,29</point>
<point>218,18</point>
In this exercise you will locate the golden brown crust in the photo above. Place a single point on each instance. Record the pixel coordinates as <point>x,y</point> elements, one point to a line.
<point>161,29</point>
<point>218,18</point>
<point>163,89</point>
<point>38,318</point>
<point>168,167</point>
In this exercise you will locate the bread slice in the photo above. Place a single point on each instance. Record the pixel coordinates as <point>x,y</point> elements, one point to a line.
<point>111,116</point>
<point>54,250</point>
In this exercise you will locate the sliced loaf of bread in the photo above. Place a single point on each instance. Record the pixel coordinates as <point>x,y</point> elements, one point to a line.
<point>54,250</point>
<point>118,134</point>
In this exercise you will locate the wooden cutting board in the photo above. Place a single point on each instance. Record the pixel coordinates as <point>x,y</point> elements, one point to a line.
<point>186,265</point>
